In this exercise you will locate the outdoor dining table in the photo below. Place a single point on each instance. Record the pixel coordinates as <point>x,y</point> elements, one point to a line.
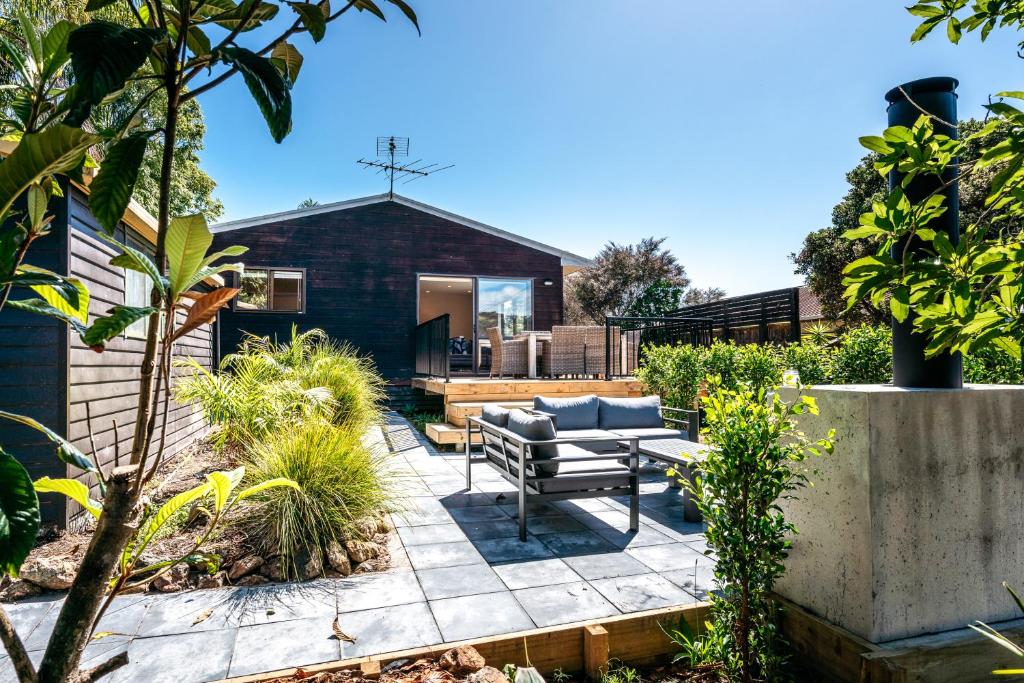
<point>532,337</point>
<point>685,456</point>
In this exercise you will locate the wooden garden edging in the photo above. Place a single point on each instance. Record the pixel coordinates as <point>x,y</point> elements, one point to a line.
<point>583,646</point>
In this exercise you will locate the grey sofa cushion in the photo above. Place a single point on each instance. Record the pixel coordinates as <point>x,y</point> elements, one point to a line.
<point>587,475</point>
<point>578,412</point>
<point>496,415</point>
<point>653,433</point>
<point>536,428</point>
<point>611,444</point>
<point>630,413</point>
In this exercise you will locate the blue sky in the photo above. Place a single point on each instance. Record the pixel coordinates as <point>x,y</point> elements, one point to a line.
<point>576,122</point>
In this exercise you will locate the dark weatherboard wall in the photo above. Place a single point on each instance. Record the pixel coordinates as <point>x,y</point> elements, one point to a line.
<point>361,268</point>
<point>48,374</point>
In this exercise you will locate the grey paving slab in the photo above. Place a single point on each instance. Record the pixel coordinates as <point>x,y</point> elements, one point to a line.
<point>495,486</point>
<point>369,591</point>
<point>512,549</point>
<point>453,582</point>
<point>576,543</point>
<point>422,511</point>
<point>99,651</point>
<point>553,524</point>
<point>436,555</point>
<point>475,616</point>
<point>28,614</point>
<point>444,486</point>
<point>605,565</point>
<point>634,539</point>
<point>187,612</point>
<point>289,601</point>
<point>389,629</point>
<point>564,603</point>
<point>178,658</point>
<point>533,573</point>
<point>582,505</point>
<point>605,520</point>
<point>479,513</point>
<point>641,592</point>
<point>532,510</point>
<point>502,528</point>
<point>698,580</point>
<point>299,642</point>
<point>666,557</point>
<point>430,533</point>
<point>474,498</point>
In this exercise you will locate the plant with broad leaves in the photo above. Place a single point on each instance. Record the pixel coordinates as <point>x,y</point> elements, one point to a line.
<point>751,463</point>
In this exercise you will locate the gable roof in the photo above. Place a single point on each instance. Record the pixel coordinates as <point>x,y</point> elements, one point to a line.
<point>568,258</point>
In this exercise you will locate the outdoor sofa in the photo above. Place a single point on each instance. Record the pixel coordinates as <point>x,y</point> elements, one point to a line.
<point>608,420</point>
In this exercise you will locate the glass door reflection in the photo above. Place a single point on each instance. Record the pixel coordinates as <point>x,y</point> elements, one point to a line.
<point>503,303</point>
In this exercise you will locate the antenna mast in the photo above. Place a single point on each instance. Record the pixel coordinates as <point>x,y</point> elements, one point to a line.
<point>388,149</point>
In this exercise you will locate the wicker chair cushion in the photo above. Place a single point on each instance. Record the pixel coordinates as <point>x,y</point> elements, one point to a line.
<point>539,428</point>
<point>630,413</point>
<point>578,412</point>
<point>496,415</point>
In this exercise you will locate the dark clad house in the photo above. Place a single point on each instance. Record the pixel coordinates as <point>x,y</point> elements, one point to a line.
<point>368,270</point>
<point>48,374</point>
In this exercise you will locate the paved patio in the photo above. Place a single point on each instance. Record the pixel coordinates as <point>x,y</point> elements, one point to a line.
<point>459,572</point>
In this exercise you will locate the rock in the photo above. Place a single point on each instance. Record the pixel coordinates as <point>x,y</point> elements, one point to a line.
<point>273,570</point>
<point>215,581</point>
<point>52,573</point>
<point>361,551</point>
<point>19,590</point>
<point>377,564</point>
<point>384,525</point>
<point>366,527</point>
<point>488,674</point>
<point>337,559</point>
<point>244,566</point>
<point>171,581</point>
<point>252,580</point>
<point>462,660</point>
<point>313,568</point>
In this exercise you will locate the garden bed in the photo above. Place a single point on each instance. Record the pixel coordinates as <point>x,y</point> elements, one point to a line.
<point>52,564</point>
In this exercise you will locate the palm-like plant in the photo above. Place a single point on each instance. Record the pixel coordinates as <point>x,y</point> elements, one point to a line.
<point>997,637</point>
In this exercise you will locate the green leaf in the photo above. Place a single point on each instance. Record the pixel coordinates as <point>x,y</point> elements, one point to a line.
<point>73,489</point>
<point>408,12</point>
<point>166,511</point>
<point>953,31</point>
<point>863,231</point>
<point>19,514</point>
<point>31,35</point>
<point>925,11</point>
<point>57,149</point>
<point>66,451</point>
<point>263,486</point>
<point>94,5</point>
<point>188,238</point>
<point>133,259</point>
<point>37,203</point>
<point>223,483</point>
<point>899,303</point>
<point>55,48</point>
<point>233,14</point>
<point>876,144</point>
<point>104,55</point>
<point>112,188</point>
<point>210,271</point>
<point>68,295</point>
<point>267,86</point>
<point>313,19</point>
<point>288,61</point>
<point>109,326</point>
<point>40,307</point>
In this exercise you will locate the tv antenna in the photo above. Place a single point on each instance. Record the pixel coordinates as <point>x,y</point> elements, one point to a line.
<point>390,148</point>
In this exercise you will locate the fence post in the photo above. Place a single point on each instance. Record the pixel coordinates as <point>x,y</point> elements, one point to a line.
<point>607,350</point>
<point>794,320</point>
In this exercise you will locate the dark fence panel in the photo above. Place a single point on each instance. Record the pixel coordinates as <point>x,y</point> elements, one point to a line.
<point>626,339</point>
<point>432,347</point>
<point>755,318</point>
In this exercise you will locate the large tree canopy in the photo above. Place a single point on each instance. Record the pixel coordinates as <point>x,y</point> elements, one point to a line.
<point>640,279</point>
<point>825,253</point>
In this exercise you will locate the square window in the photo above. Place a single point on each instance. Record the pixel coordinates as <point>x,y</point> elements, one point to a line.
<point>271,289</point>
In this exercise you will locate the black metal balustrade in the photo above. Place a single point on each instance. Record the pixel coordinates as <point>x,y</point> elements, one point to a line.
<point>433,350</point>
<point>626,339</point>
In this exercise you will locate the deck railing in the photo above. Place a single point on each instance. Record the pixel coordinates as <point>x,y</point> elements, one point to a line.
<point>635,334</point>
<point>433,350</point>
<point>754,318</point>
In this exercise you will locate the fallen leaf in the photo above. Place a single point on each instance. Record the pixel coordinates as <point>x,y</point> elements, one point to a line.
<point>106,634</point>
<point>206,614</point>
<point>339,634</point>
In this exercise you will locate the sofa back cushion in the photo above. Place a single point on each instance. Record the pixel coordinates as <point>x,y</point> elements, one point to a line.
<point>630,413</point>
<point>578,412</point>
<point>496,415</point>
<point>536,428</point>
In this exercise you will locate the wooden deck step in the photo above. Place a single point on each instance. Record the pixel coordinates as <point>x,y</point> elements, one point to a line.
<point>457,411</point>
<point>444,433</point>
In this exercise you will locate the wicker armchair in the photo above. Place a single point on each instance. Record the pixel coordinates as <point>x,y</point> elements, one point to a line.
<point>580,350</point>
<point>508,357</point>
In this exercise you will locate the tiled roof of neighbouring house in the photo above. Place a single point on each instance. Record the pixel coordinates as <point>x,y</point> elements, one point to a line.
<point>810,307</point>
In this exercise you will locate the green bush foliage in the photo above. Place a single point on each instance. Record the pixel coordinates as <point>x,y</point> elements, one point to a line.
<point>340,479</point>
<point>673,372</point>
<point>863,356</point>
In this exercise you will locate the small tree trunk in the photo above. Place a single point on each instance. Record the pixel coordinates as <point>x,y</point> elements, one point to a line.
<point>75,622</point>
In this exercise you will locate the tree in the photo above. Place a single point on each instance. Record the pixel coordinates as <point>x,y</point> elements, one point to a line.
<point>659,298</point>
<point>168,46</point>
<point>622,275</point>
<point>308,203</point>
<point>825,253</point>
<point>696,296</point>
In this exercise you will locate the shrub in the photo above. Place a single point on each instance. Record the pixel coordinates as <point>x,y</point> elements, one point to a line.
<point>673,372</point>
<point>759,366</point>
<point>722,359</point>
<point>864,356</point>
<point>812,361</point>
<point>340,480</point>
<point>991,366</point>
<point>751,463</point>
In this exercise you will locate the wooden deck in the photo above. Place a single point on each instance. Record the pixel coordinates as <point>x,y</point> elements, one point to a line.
<point>466,396</point>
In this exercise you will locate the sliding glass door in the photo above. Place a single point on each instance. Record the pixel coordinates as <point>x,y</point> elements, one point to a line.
<point>504,303</point>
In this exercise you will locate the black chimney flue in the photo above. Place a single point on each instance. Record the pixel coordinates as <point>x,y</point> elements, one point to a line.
<point>936,96</point>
